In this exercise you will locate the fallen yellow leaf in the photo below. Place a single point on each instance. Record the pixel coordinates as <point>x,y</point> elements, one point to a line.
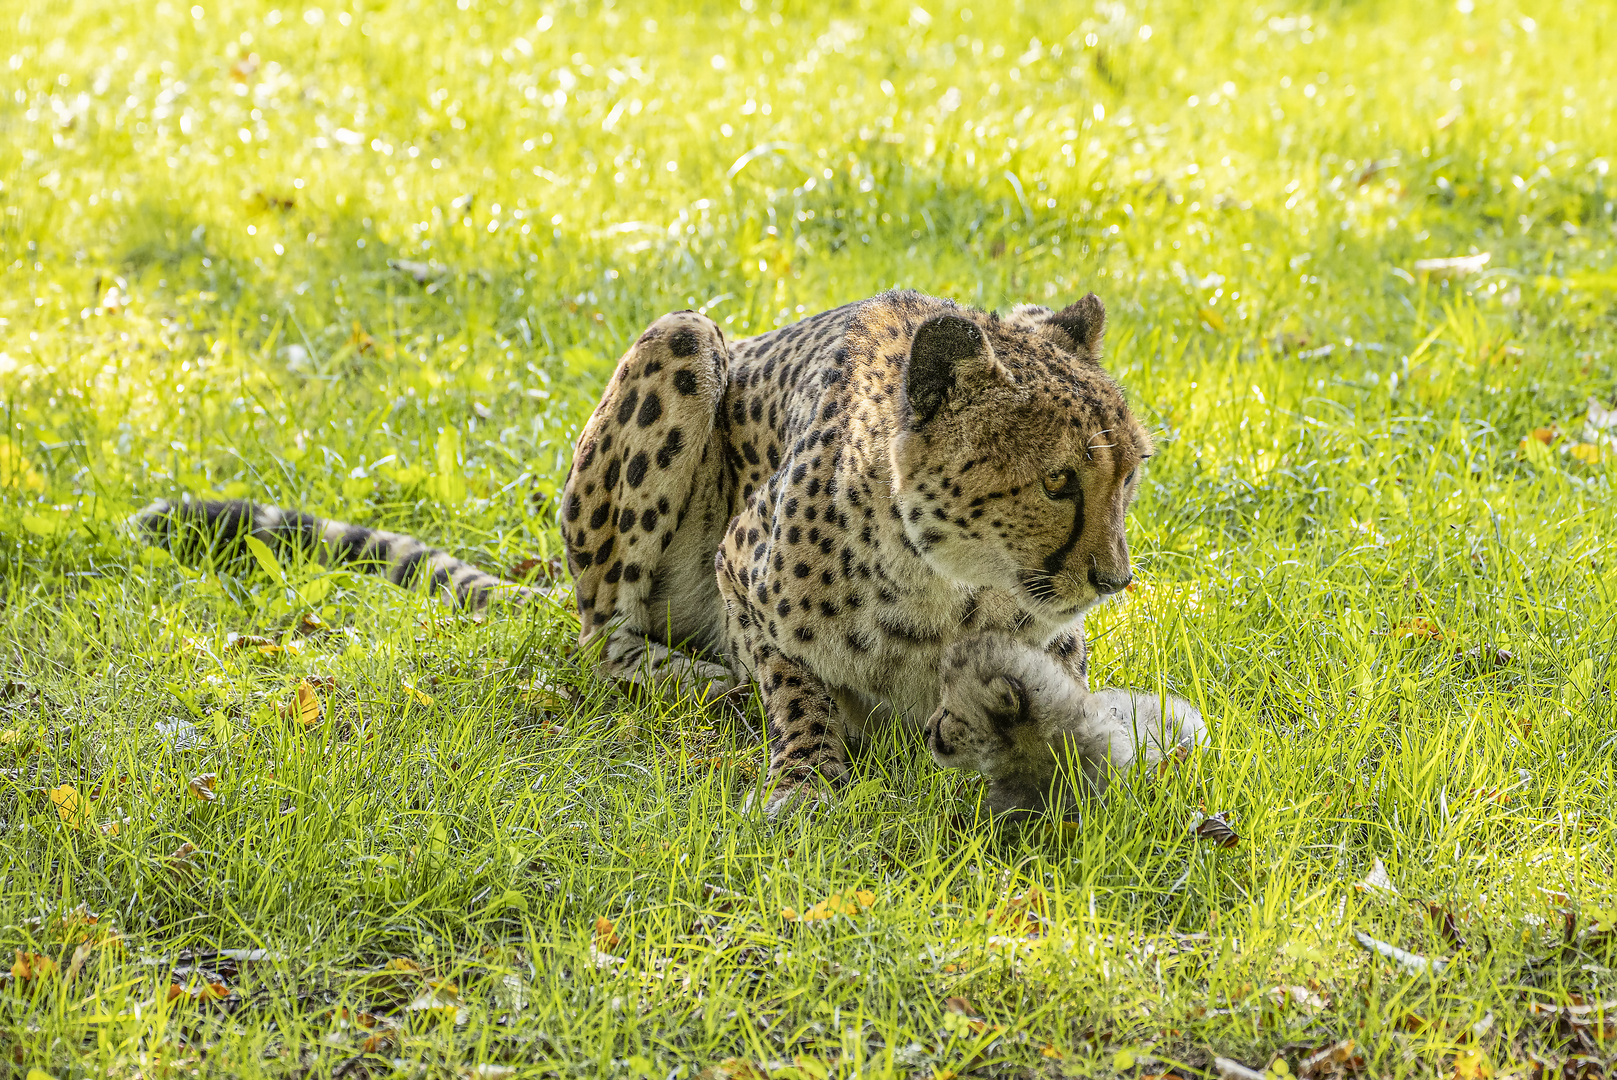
<point>304,707</point>
<point>1588,453</point>
<point>425,699</point>
<point>69,806</point>
<point>18,743</point>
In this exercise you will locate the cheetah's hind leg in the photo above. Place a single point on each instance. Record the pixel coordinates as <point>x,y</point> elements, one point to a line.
<point>644,507</point>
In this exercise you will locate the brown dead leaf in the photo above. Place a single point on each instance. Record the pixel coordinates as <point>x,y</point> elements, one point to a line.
<point>1336,1058</point>
<point>352,1018</point>
<point>202,787</point>
<point>745,767</point>
<point>1216,830</point>
<point>178,861</point>
<point>80,955</point>
<point>207,991</point>
<point>1025,914</point>
<point>961,1005</point>
<point>248,641</point>
<point>32,965</point>
<point>605,933</point>
<point>1420,627</point>
<point>1446,924</point>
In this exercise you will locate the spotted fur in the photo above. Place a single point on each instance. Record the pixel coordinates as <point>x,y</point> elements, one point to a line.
<point>826,507</point>
<point>1012,713</point>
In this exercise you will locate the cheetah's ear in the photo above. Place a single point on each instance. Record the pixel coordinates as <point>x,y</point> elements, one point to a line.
<point>1085,323</point>
<point>944,349</point>
<point>1007,702</point>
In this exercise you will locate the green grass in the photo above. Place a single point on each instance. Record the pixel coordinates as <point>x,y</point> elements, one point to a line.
<point>199,209</point>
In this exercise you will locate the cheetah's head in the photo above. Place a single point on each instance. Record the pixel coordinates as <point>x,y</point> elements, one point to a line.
<point>986,713</point>
<point>999,715</point>
<point>1019,457</point>
<point>1009,711</point>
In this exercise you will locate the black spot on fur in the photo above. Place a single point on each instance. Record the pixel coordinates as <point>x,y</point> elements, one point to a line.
<point>673,443</point>
<point>684,343</point>
<point>626,406</point>
<point>635,474</point>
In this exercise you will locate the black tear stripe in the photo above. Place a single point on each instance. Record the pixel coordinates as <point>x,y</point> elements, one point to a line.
<point>1057,558</point>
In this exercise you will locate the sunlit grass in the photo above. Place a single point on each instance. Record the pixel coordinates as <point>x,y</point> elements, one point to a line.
<point>1395,604</point>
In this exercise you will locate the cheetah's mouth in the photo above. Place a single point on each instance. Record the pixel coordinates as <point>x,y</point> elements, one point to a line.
<point>1040,591</point>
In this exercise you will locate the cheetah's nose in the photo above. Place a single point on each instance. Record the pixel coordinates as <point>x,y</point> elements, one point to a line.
<point>1106,584</point>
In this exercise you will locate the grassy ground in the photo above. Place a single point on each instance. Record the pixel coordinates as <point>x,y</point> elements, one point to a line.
<point>458,849</point>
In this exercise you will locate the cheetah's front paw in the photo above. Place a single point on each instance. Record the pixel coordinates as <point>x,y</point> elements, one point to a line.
<point>779,795</point>
<point>778,801</point>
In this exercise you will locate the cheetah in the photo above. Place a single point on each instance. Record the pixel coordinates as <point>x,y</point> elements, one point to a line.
<point>823,509</point>
<point>1012,713</point>
<point>820,510</point>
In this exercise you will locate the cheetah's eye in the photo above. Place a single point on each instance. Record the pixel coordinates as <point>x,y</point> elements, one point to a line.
<point>1129,479</point>
<point>1058,482</point>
